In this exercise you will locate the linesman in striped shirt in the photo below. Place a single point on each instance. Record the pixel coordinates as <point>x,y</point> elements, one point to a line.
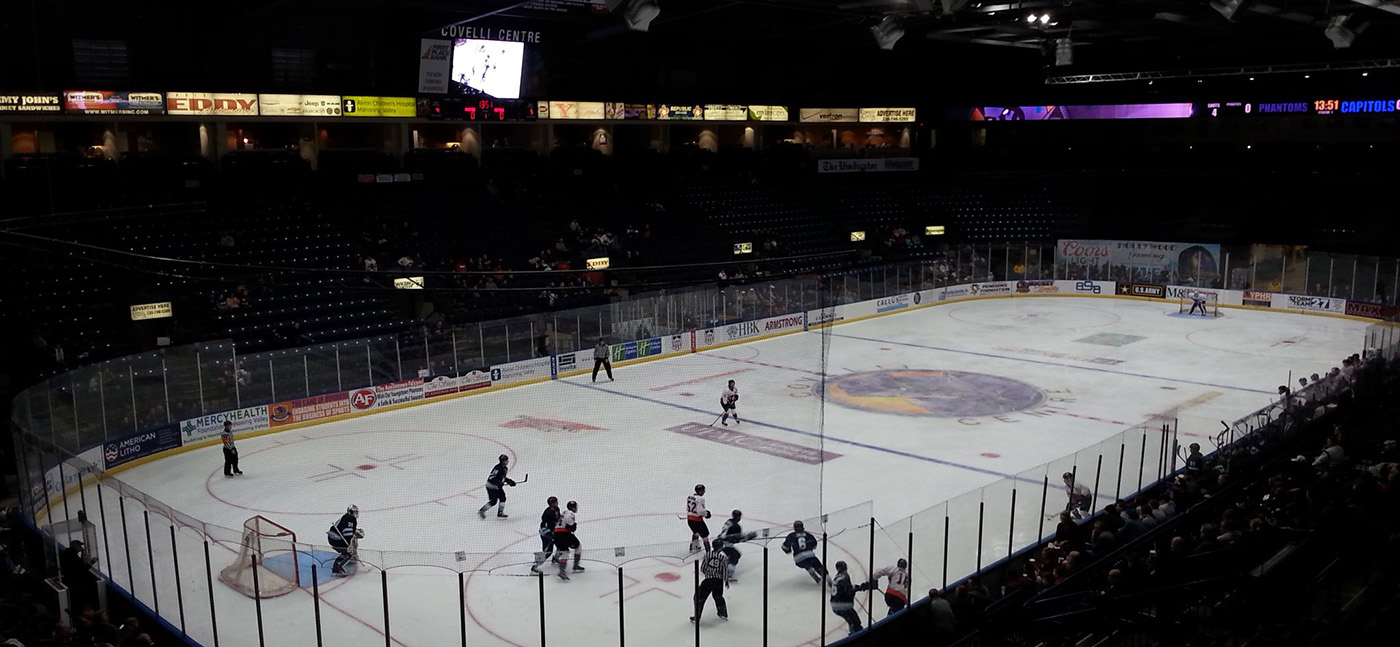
<point>714,567</point>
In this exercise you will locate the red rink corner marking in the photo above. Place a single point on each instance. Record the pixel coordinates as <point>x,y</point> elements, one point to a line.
<point>726,436</point>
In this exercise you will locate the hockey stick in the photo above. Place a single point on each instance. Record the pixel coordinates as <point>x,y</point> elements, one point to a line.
<point>527,478</point>
<point>712,422</point>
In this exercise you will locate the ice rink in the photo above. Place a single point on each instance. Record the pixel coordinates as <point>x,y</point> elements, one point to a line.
<point>966,400</point>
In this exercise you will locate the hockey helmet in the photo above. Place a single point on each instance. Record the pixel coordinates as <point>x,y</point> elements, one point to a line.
<point>1067,475</point>
<point>902,563</point>
<point>797,525</point>
<point>554,500</point>
<point>841,566</point>
<point>503,458</point>
<point>738,513</point>
<point>700,489</point>
<point>352,510</point>
<point>572,505</point>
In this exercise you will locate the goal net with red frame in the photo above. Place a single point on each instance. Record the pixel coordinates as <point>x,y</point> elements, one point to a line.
<point>1212,302</point>
<point>250,573</point>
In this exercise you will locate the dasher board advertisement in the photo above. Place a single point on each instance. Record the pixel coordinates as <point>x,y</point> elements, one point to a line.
<point>211,103</point>
<point>111,102</point>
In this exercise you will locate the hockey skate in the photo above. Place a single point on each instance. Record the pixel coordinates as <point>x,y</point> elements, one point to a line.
<point>536,570</point>
<point>481,513</point>
<point>500,515</point>
<point>579,569</point>
<point>563,575</point>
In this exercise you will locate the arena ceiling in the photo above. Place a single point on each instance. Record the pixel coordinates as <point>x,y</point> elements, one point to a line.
<point>792,48</point>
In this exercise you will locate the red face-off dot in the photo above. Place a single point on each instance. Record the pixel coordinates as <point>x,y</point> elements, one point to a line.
<point>365,467</point>
<point>991,455</point>
<point>668,577</point>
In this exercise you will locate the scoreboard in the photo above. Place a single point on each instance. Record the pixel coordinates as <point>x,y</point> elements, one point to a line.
<point>479,109</point>
<point>1320,107</point>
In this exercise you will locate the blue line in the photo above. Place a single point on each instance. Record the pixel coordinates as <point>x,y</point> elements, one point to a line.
<point>809,434</point>
<point>1038,361</point>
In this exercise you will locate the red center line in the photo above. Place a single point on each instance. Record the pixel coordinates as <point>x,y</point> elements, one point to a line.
<point>701,379</point>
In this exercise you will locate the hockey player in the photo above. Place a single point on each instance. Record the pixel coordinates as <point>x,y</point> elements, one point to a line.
<point>549,520</point>
<point>897,591</point>
<point>495,488</point>
<point>564,540</point>
<point>729,403</point>
<point>843,596</point>
<point>714,568</point>
<point>1080,497</point>
<point>1198,302</point>
<point>230,451</point>
<point>695,516</point>
<point>802,546</point>
<point>343,537</point>
<point>731,533</point>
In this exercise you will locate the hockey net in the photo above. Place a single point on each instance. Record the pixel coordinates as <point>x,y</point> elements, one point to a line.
<point>264,539</point>
<point>1212,303</point>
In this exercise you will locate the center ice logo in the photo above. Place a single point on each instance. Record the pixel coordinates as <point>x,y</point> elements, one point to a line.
<point>940,394</point>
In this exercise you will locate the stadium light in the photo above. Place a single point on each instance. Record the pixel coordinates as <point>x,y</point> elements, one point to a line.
<point>1339,33</point>
<point>1227,8</point>
<point>887,32</point>
<point>637,13</point>
<point>1031,18</point>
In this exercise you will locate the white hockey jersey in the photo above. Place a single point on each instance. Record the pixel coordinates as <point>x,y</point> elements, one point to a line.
<point>695,508</point>
<point>729,396</point>
<point>899,581</point>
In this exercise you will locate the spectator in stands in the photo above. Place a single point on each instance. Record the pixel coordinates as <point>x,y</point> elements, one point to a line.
<point>1132,526</point>
<point>226,240</point>
<point>76,569</point>
<point>370,264</point>
<point>1068,534</point>
<point>1332,454</point>
<point>943,620</point>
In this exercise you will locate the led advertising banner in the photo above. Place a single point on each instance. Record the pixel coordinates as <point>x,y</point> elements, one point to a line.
<point>109,102</point>
<point>674,112</point>
<point>768,113</point>
<point>358,106</point>
<point>146,311</point>
<point>575,110</point>
<point>208,103</point>
<point>828,115</point>
<point>299,105</point>
<point>1052,113</point>
<point>1138,260</point>
<point>725,112</point>
<point>887,115</point>
<point>434,65</point>
<point>638,111</point>
<point>30,103</point>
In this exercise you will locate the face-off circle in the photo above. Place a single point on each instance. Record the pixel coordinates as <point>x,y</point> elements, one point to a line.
<point>938,394</point>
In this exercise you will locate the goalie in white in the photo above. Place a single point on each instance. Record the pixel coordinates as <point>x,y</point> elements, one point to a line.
<point>344,536</point>
<point>1198,302</point>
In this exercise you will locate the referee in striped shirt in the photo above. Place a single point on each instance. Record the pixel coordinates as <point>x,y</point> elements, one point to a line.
<point>714,568</point>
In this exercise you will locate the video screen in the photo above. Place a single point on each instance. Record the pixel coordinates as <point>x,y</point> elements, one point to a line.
<point>490,67</point>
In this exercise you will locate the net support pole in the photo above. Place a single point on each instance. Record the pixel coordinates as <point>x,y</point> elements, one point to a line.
<point>821,598</point>
<point>209,582</point>
<point>945,549</point>
<point>257,598</point>
<point>540,578</point>
<point>981,517</point>
<point>869,568</point>
<point>1142,460</point>
<point>1011,528</point>
<point>909,557</point>
<point>1044,496</point>
<point>765,594</point>
<point>384,591</point>
<point>462,595</point>
<point>179,590</point>
<point>126,545</point>
<point>1098,471</point>
<point>1118,487</point>
<point>316,602</point>
<point>151,560</point>
<point>621,616</point>
<point>101,513</point>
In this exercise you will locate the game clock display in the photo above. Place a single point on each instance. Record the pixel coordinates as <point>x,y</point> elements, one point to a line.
<point>478,109</point>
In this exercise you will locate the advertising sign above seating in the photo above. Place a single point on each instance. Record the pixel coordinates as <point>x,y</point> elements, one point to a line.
<point>31,103</point>
<point>572,110</point>
<point>211,103</point>
<point>679,112</point>
<point>299,105</point>
<point>768,113</point>
<point>725,112</point>
<point>888,115</point>
<point>1146,261</point>
<point>828,115</point>
<point>111,102</point>
<point>364,106</point>
<point>877,165</point>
